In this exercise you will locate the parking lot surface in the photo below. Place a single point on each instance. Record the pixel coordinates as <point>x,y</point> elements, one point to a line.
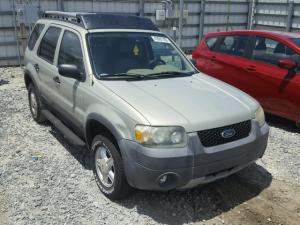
<point>45,180</point>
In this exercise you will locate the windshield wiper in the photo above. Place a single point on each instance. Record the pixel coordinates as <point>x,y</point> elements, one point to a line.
<point>120,76</point>
<point>133,76</point>
<point>170,74</point>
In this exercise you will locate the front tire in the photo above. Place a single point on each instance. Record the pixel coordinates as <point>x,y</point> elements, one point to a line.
<point>35,104</point>
<point>108,168</point>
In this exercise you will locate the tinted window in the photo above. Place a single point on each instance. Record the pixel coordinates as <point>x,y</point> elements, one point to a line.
<point>211,42</point>
<point>48,44</point>
<point>35,35</point>
<point>234,45</point>
<point>70,51</point>
<point>270,51</point>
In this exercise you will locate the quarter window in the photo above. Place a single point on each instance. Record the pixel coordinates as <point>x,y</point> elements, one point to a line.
<point>234,45</point>
<point>48,44</point>
<point>35,35</point>
<point>70,51</point>
<point>270,51</point>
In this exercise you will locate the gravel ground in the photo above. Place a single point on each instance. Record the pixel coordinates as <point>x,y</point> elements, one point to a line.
<point>44,180</point>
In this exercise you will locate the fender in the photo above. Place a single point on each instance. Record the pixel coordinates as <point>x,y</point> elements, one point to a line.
<point>120,129</point>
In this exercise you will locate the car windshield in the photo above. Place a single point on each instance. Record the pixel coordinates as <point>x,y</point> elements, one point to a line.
<point>136,55</point>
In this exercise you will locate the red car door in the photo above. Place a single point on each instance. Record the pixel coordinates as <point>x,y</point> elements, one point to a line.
<point>203,53</point>
<point>228,60</point>
<point>275,87</point>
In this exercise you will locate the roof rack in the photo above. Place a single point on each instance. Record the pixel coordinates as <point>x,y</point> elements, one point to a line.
<point>72,17</point>
<point>102,20</point>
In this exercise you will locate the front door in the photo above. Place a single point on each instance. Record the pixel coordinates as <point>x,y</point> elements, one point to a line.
<point>274,87</point>
<point>70,90</point>
<point>229,59</point>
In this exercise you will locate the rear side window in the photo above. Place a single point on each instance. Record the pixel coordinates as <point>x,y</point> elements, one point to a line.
<point>48,44</point>
<point>234,45</point>
<point>70,51</point>
<point>211,42</point>
<point>35,35</point>
<point>271,51</point>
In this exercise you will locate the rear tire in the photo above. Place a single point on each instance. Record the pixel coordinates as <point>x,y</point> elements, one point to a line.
<point>35,104</point>
<point>108,168</point>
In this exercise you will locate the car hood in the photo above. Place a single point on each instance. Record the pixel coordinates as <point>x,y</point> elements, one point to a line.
<point>195,102</point>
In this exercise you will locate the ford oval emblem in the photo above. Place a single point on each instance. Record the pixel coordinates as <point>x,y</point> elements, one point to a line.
<point>228,133</point>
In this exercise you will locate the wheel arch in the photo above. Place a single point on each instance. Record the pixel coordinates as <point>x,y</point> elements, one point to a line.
<point>29,79</point>
<point>97,124</point>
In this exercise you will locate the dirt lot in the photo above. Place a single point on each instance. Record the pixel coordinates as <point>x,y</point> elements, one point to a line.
<point>44,180</point>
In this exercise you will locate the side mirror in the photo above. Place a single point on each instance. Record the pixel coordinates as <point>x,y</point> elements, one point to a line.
<point>69,70</point>
<point>288,64</point>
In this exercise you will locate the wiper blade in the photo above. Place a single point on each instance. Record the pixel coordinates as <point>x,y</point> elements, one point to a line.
<point>121,76</point>
<point>132,76</point>
<point>170,73</point>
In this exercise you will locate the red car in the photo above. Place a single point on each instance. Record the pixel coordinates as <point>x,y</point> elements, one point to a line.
<point>264,64</point>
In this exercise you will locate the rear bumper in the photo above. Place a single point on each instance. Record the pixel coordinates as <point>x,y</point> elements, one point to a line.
<point>192,165</point>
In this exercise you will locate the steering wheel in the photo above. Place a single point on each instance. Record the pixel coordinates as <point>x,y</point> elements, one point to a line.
<point>156,62</point>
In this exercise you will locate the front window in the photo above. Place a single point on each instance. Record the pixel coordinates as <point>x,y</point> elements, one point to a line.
<point>271,51</point>
<point>128,53</point>
<point>70,51</point>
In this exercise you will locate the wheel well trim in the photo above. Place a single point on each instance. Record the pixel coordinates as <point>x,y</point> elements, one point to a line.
<point>104,122</point>
<point>28,73</point>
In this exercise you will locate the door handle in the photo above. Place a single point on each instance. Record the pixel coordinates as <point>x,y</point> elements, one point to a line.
<point>36,67</point>
<point>213,58</point>
<point>251,68</point>
<point>56,79</point>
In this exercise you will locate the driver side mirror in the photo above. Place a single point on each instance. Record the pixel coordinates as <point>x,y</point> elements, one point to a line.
<point>69,70</point>
<point>288,64</point>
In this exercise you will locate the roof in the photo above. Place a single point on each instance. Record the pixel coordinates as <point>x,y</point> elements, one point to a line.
<point>91,21</point>
<point>258,32</point>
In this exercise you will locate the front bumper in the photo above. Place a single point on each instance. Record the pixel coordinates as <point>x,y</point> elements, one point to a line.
<point>191,165</point>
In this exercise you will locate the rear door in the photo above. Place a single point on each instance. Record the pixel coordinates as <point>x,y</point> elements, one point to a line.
<point>229,59</point>
<point>274,87</point>
<point>45,63</point>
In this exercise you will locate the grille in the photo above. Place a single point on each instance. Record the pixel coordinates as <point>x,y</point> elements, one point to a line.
<point>213,137</point>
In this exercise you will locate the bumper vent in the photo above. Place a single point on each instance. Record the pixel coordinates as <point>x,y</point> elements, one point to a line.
<point>226,134</point>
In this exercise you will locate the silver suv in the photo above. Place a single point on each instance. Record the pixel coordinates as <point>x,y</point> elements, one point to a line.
<point>118,86</point>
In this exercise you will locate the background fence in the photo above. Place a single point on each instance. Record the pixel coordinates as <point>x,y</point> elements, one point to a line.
<point>203,16</point>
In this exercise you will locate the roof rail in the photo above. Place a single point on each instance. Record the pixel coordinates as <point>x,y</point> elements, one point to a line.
<point>72,17</point>
<point>102,20</point>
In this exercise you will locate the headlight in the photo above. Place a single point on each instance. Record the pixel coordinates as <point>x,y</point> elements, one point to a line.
<point>160,136</point>
<point>260,116</point>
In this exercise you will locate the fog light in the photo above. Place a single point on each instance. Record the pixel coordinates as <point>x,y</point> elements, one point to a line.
<point>167,181</point>
<point>163,179</point>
